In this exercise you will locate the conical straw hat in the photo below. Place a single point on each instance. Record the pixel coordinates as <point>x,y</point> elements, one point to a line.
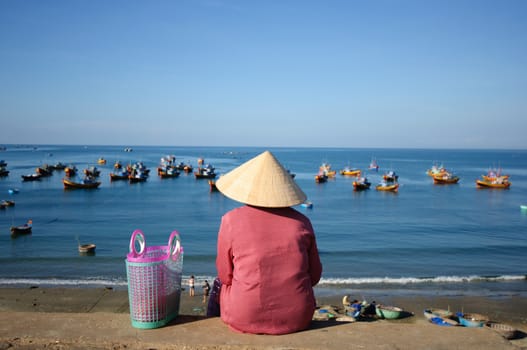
<point>261,181</point>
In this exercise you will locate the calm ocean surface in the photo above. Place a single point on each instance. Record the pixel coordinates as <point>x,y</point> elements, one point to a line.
<point>426,239</point>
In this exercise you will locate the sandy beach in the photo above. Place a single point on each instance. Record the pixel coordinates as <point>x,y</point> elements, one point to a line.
<point>98,318</point>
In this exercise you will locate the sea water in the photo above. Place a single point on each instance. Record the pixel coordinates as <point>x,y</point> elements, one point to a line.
<point>425,239</point>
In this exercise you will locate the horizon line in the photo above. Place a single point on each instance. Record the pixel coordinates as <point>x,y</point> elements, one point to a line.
<point>29,145</point>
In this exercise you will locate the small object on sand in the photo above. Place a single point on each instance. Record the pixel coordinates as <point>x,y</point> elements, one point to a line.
<point>325,313</point>
<point>345,319</point>
<point>506,331</point>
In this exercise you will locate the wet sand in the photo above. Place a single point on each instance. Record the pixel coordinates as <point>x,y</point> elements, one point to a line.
<point>98,318</point>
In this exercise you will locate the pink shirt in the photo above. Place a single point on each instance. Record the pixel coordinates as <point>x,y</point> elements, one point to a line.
<point>268,263</point>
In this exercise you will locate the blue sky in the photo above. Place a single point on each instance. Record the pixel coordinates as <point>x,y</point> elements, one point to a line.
<point>424,74</point>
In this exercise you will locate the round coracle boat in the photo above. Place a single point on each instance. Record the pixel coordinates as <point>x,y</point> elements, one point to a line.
<point>87,248</point>
<point>388,312</point>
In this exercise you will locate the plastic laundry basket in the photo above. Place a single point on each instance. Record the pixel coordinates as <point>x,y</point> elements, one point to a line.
<point>154,280</point>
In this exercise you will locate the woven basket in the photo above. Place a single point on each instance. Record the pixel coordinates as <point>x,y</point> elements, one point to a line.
<point>154,280</point>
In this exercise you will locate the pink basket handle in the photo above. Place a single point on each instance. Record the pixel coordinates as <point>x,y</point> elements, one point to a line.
<point>174,245</point>
<point>137,236</point>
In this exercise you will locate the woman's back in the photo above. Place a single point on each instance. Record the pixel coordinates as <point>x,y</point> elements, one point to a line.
<point>268,262</point>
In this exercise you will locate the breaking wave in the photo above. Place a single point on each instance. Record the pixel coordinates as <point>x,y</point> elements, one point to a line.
<point>329,282</point>
<point>419,280</point>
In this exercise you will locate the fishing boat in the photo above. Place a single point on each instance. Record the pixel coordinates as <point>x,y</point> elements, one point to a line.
<point>502,178</point>
<point>92,171</point>
<point>166,163</point>
<point>446,178</point>
<point>494,179</point>
<point>443,321</point>
<point>326,169</point>
<point>70,170</point>
<point>523,206</point>
<point>495,175</point>
<point>180,166</point>
<point>436,169</point>
<point>22,229</point>
<point>433,312</point>
<point>44,170</point>
<point>58,166</point>
<point>138,167</point>
<point>320,178</point>
<point>168,172</point>
<point>120,175</point>
<point>373,165</point>
<point>13,191</point>
<point>87,248</point>
<point>86,183</point>
<point>388,187</point>
<point>348,171</point>
<point>206,172</point>
<point>31,177</point>
<point>390,176</point>
<point>499,183</point>
<point>167,167</point>
<point>7,203</point>
<point>361,184</point>
<point>137,176</point>
<point>101,161</point>
<point>3,171</point>
<point>212,186</point>
<point>471,319</point>
<point>440,317</point>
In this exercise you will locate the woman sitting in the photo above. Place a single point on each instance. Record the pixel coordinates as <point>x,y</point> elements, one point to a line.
<point>267,256</point>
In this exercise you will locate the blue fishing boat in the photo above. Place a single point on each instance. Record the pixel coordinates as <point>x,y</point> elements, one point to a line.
<point>440,317</point>
<point>472,320</point>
